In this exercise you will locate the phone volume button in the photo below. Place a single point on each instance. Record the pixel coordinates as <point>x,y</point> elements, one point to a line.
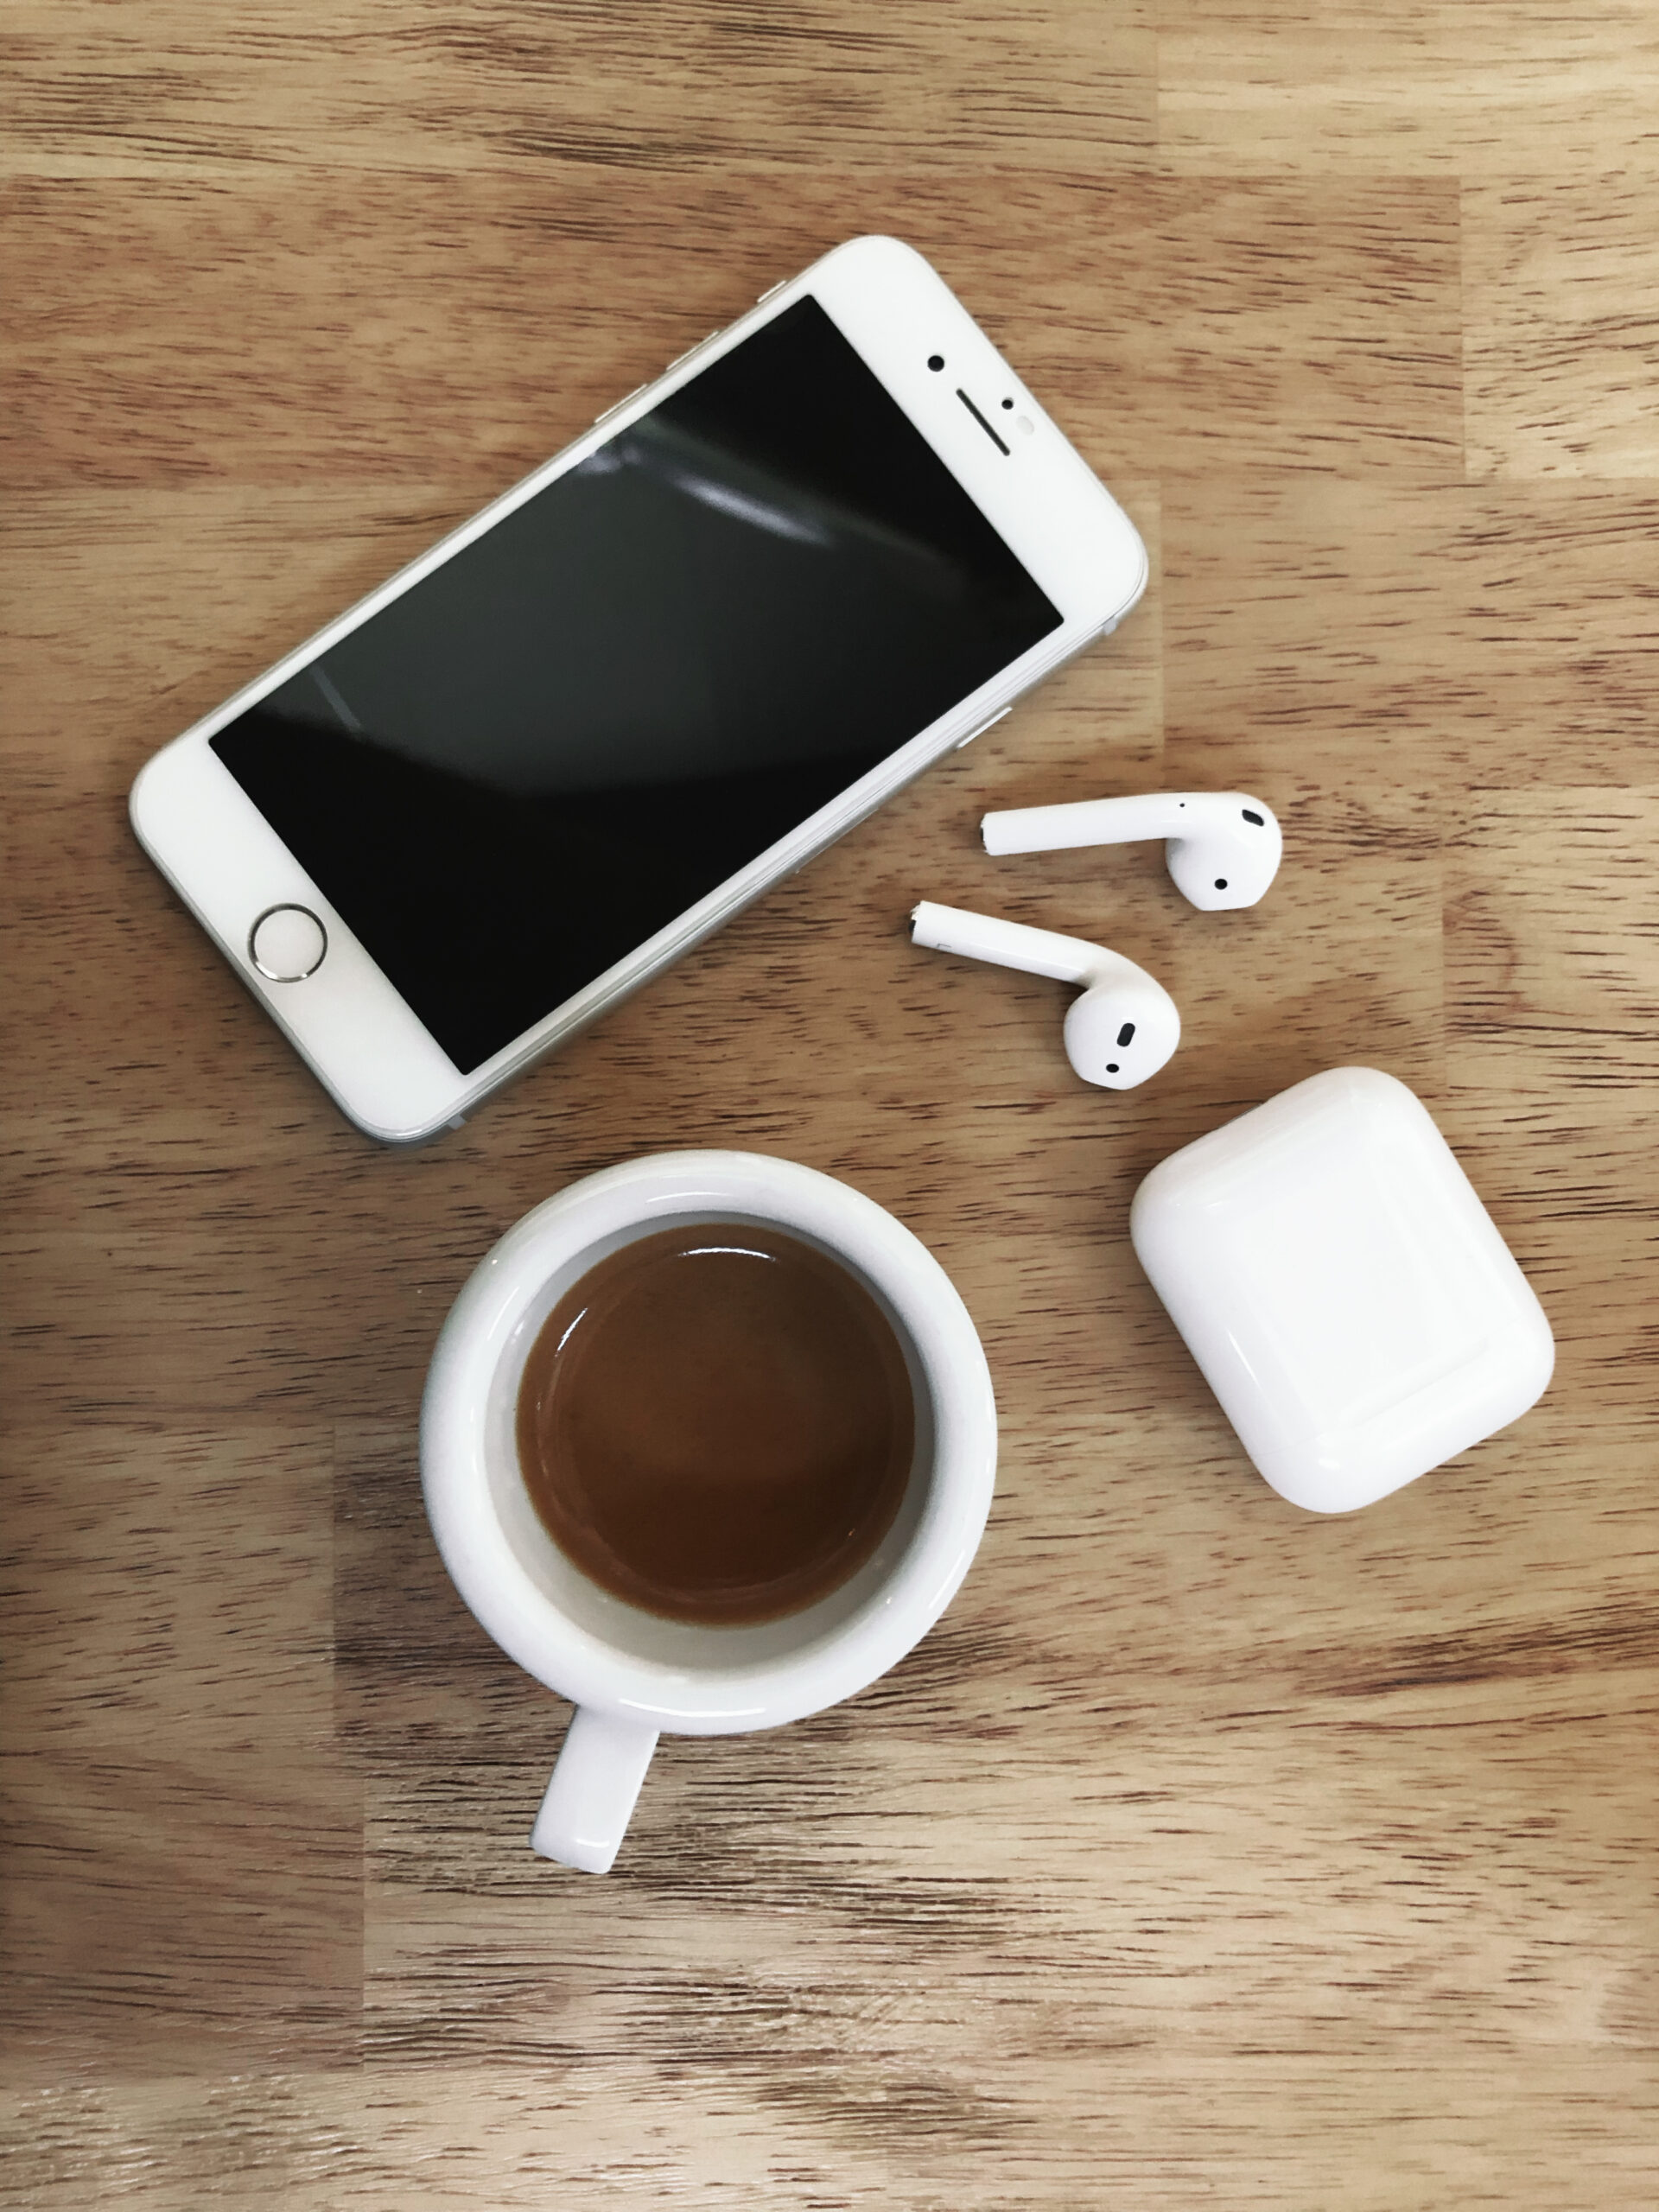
<point>689,351</point>
<point>620,405</point>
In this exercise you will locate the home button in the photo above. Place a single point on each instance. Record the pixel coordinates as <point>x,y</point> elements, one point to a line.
<point>287,944</point>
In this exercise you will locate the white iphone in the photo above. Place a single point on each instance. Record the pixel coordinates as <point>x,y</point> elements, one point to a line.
<point>831,543</point>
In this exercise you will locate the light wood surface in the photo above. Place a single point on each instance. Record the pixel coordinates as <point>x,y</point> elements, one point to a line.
<point>1209,1853</point>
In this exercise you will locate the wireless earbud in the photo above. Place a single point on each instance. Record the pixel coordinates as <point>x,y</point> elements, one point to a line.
<point>1124,1028</point>
<point>1222,848</point>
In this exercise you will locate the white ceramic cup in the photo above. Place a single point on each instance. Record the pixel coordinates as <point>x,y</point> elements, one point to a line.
<point>632,1675</point>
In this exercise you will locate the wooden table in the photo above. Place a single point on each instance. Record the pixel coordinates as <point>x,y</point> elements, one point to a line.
<point>1209,1853</point>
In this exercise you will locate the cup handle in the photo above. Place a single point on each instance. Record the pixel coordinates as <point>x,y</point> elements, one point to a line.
<point>601,1765</point>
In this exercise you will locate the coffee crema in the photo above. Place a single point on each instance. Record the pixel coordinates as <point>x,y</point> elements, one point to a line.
<point>716,1423</point>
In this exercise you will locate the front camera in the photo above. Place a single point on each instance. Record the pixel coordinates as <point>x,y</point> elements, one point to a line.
<point>936,361</point>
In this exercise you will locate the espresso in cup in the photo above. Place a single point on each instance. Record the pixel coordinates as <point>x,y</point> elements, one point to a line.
<point>716,1424</point>
<point>711,1585</point>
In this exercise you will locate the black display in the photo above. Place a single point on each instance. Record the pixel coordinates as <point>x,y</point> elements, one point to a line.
<point>627,690</point>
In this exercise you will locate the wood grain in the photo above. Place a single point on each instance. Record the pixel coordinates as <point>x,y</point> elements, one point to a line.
<point>1425,87</point>
<point>1207,1853</point>
<point>1560,284</point>
<point>472,84</point>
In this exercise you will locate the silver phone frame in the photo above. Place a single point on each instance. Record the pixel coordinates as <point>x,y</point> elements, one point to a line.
<point>361,1040</point>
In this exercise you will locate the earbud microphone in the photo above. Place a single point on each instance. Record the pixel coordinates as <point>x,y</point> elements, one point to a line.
<point>1124,1028</point>
<point>1222,848</point>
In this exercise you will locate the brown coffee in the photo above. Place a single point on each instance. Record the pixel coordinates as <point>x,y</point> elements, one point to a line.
<point>716,1424</point>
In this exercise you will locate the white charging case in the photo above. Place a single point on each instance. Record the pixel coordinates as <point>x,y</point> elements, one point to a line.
<point>1343,1290</point>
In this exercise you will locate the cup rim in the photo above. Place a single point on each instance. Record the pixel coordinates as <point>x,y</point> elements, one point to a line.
<point>478,1334</point>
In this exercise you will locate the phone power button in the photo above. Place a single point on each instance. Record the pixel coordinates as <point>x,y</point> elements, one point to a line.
<point>287,944</point>
<point>980,731</point>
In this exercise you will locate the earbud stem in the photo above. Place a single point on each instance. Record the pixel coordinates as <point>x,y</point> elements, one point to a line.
<point>1007,944</point>
<point>1086,821</point>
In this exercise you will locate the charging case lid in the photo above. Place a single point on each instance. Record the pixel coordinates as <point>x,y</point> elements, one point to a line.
<point>1342,1289</point>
